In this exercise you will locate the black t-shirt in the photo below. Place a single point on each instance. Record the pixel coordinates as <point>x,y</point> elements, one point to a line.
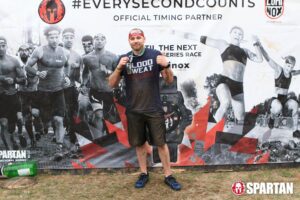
<point>142,82</point>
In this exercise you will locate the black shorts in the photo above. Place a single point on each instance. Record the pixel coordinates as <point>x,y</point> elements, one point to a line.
<point>9,106</point>
<point>235,87</point>
<point>51,104</point>
<point>71,99</point>
<point>104,101</point>
<point>28,101</point>
<point>146,126</point>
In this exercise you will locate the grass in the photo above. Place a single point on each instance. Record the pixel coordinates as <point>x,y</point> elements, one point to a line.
<point>197,184</point>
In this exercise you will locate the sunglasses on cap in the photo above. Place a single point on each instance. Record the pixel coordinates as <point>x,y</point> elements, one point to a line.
<point>87,44</point>
<point>287,61</point>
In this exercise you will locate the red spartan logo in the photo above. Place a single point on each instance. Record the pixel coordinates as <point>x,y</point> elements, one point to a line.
<point>238,188</point>
<point>52,11</point>
<point>274,8</point>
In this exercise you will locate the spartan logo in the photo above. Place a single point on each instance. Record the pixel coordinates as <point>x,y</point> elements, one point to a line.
<point>274,8</point>
<point>51,11</point>
<point>238,188</point>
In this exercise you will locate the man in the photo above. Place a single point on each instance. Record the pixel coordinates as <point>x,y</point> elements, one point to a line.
<point>283,77</point>
<point>27,94</point>
<point>98,65</point>
<point>70,92</point>
<point>10,74</point>
<point>83,98</point>
<point>52,70</point>
<point>141,68</point>
<point>87,44</point>
<point>230,86</point>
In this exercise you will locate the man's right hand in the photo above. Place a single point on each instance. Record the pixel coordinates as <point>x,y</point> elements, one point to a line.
<point>9,80</point>
<point>41,74</point>
<point>122,63</point>
<point>84,90</point>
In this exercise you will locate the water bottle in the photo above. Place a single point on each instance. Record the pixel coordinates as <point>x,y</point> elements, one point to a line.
<point>28,168</point>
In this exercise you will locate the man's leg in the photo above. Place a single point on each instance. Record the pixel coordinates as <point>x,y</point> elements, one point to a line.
<point>37,123</point>
<point>59,135</point>
<point>164,155</point>
<point>58,111</point>
<point>157,135</point>
<point>22,139</point>
<point>141,152</point>
<point>59,129</point>
<point>83,104</point>
<point>4,133</point>
<point>137,139</point>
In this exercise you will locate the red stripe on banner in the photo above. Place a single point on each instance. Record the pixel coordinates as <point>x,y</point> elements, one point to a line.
<point>264,159</point>
<point>76,165</point>
<point>121,110</point>
<point>90,151</point>
<point>121,134</point>
<point>254,110</point>
<point>245,145</point>
<point>128,164</point>
<point>210,137</point>
<point>187,157</point>
<point>252,159</point>
<point>198,127</point>
<point>90,165</point>
<point>111,127</point>
<point>76,119</point>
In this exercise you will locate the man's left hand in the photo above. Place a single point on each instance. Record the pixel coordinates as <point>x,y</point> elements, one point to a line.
<point>162,60</point>
<point>67,81</point>
<point>75,65</point>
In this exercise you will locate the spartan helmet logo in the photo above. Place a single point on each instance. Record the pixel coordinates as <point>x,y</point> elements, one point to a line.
<point>238,188</point>
<point>52,11</point>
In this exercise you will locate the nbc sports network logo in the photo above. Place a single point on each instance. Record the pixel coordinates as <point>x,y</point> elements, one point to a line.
<point>262,188</point>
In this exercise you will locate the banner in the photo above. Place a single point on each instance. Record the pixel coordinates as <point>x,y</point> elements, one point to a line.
<point>234,99</point>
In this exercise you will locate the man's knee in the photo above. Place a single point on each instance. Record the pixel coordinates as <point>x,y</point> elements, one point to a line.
<point>11,127</point>
<point>98,114</point>
<point>4,122</point>
<point>162,147</point>
<point>58,120</point>
<point>35,112</point>
<point>19,116</point>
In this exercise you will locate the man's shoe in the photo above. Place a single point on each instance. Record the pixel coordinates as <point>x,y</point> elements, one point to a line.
<point>33,143</point>
<point>141,182</point>
<point>296,134</point>
<point>172,183</point>
<point>271,123</point>
<point>37,136</point>
<point>58,156</point>
<point>23,141</point>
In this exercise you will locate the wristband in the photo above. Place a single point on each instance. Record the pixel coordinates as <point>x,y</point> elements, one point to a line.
<point>168,66</point>
<point>203,39</point>
<point>256,44</point>
<point>118,69</point>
